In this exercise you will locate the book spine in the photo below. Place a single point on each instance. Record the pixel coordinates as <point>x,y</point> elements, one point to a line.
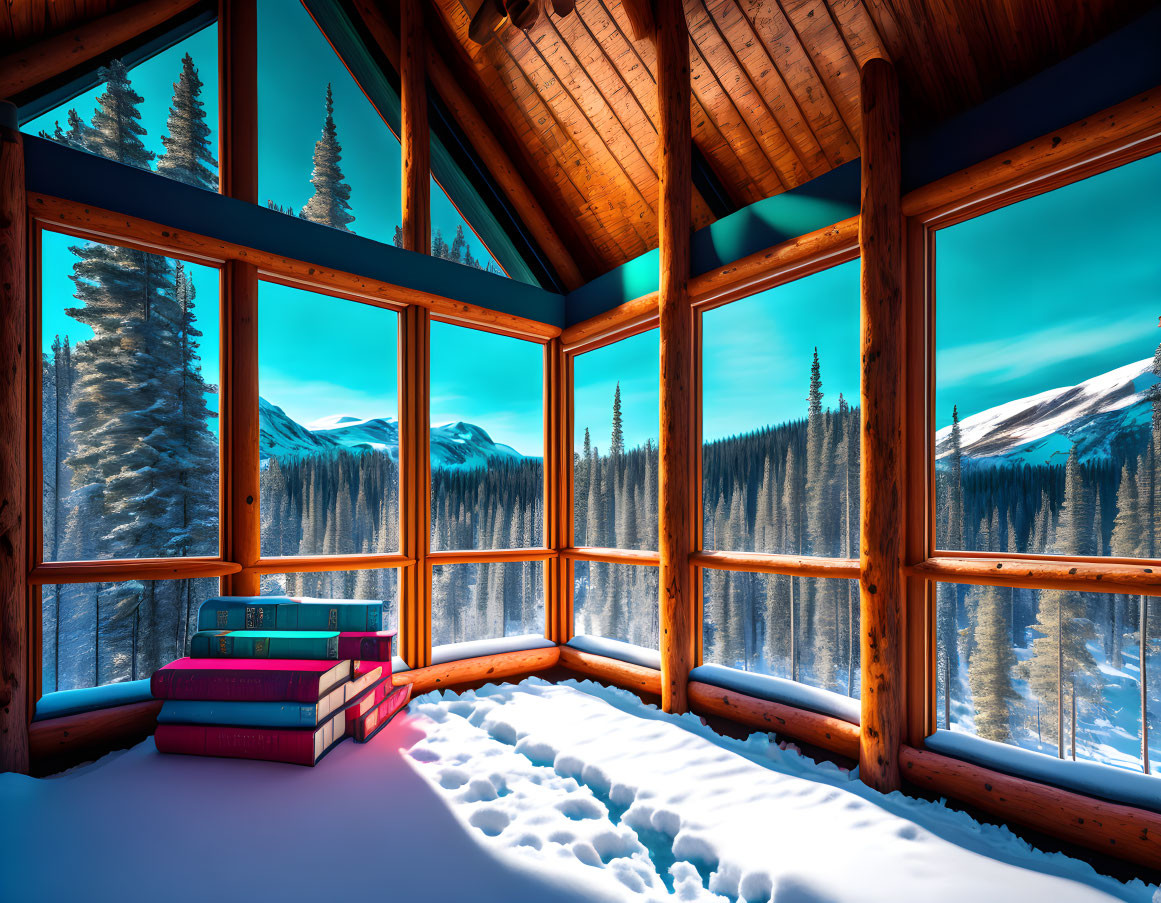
<point>269,744</point>
<point>214,644</point>
<point>223,615</point>
<point>365,648</point>
<point>239,714</point>
<point>236,686</point>
<point>356,618</point>
<point>378,717</point>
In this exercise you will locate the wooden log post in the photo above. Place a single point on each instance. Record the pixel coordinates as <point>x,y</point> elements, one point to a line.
<point>238,98</point>
<point>675,521</point>
<point>415,137</point>
<point>242,477</point>
<point>14,522</point>
<point>881,547</point>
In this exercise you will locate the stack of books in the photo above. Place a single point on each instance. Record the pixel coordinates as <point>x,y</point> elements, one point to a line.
<point>278,679</point>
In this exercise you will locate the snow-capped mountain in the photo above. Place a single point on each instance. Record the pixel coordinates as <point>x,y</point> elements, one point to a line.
<point>452,445</point>
<point>1042,428</point>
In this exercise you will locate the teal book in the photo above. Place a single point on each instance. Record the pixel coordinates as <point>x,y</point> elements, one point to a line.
<point>331,614</point>
<point>241,612</point>
<point>308,644</point>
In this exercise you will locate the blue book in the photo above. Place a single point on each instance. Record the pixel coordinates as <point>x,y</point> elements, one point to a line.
<point>241,612</point>
<point>310,644</point>
<point>286,613</point>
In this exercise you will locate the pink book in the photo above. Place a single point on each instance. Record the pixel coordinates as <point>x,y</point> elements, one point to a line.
<point>376,719</point>
<point>293,746</point>
<point>364,702</point>
<point>369,646</point>
<point>249,680</point>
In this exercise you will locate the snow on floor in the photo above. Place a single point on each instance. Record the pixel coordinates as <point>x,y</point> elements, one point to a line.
<point>534,793</point>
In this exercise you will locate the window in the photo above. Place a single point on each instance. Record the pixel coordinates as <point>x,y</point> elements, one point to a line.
<point>94,634</point>
<point>486,600</point>
<point>453,239</point>
<point>780,419</point>
<point>129,402</point>
<point>616,412</point>
<point>1046,372</point>
<point>799,628</point>
<point>617,602</point>
<point>324,152</point>
<point>169,102</point>
<point>367,584</point>
<point>1050,670</point>
<point>487,440</point>
<point>328,407</point>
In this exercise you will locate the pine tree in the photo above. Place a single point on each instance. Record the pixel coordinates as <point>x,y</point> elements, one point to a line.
<point>991,666</point>
<point>116,131</point>
<point>1073,534</point>
<point>78,136</point>
<point>330,204</point>
<point>817,519</point>
<point>617,443</point>
<point>187,156</point>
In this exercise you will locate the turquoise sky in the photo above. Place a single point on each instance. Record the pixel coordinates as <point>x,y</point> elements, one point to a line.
<point>634,364</point>
<point>1049,291</point>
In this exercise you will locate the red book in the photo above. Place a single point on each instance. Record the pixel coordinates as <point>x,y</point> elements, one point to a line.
<point>293,746</point>
<point>249,680</point>
<point>369,646</point>
<point>376,719</point>
<point>363,702</point>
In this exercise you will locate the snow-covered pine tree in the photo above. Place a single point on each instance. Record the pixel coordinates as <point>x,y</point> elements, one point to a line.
<point>617,440</point>
<point>116,130</point>
<point>188,157</point>
<point>817,520</point>
<point>330,204</point>
<point>991,665</point>
<point>78,135</point>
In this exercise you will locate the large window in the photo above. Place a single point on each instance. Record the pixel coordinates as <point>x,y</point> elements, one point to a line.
<point>1056,671</point>
<point>129,403</point>
<point>486,600</point>
<point>1046,372</point>
<point>453,239</point>
<point>160,115</point>
<point>780,419</point>
<point>487,440</point>
<point>328,409</point>
<point>368,584</point>
<point>324,152</point>
<point>617,602</point>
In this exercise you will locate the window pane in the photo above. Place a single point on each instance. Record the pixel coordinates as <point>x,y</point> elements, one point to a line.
<point>129,403</point>
<point>616,395</point>
<point>487,440</point>
<point>780,421</point>
<point>1012,663</point>
<point>453,239</point>
<point>170,103</point>
<point>1046,379</point>
<point>368,585</point>
<point>324,152</point>
<point>94,634</point>
<point>328,408</point>
<point>485,601</point>
<point>800,628</point>
<point>617,602</point>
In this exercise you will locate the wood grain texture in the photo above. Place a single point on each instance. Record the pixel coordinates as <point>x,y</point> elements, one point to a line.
<point>93,733</point>
<point>242,428</point>
<point>880,543</point>
<point>678,606</point>
<point>838,736</point>
<point>91,222</point>
<point>95,35</point>
<point>296,564</point>
<point>1087,576</point>
<point>238,98</point>
<point>485,667</point>
<point>1110,828</point>
<point>611,670</point>
<point>15,668</point>
<point>414,141</point>
<point>53,572</point>
<point>762,563</point>
<point>471,556</point>
<point>415,488</point>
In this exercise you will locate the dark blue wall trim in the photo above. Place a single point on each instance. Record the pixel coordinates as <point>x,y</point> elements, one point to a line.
<point>1118,67</point>
<point>62,172</point>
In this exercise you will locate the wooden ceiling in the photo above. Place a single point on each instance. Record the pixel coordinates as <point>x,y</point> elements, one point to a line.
<point>775,89</point>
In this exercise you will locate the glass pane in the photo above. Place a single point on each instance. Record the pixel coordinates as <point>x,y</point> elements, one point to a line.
<point>487,440</point>
<point>780,403</point>
<point>1014,664</point>
<point>453,239</point>
<point>324,153</point>
<point>328,408</point>
<point>800,628</point>
<point>129,403</point>
<point>1046,394</point>
<point>617,602</point>
<point>368,585</point>
<point>160,115</point>
<point>615,388</point>
<point>485,601</point>
<point>94,634</point>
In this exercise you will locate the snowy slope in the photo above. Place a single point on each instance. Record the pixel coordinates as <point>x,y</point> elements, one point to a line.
<point>1042,428</point>
<point>452,444</point>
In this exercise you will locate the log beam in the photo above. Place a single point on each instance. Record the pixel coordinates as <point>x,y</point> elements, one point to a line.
<point>485,667</point>
<point>15,624</point>
<point>415,138</point>
<point>62,742</point>
<point>637,678</point>
<point>881,549</point>
<point>238,98</point>
<point>640,16</point>
<point>415,489</point>
<point>25,69</point>
<point>676,452</point>
<point>243,529</point>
